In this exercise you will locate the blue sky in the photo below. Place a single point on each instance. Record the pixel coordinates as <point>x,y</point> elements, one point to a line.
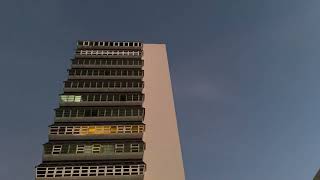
<point>245,78</point>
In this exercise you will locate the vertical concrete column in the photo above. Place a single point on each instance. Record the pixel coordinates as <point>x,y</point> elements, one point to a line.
<point>163,153</point>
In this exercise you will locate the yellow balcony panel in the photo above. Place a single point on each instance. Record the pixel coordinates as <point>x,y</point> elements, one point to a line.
<point>96,132</point>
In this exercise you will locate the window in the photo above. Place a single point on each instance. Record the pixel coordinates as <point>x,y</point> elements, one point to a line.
<point>100,129</point>
<point>80,149</point>
<point>121,129</point>
<point>85,171</point>
<point>109,148</point>
<point>103,97</point>
<point>56,149</point>
<point>119,148</point>
<point>98,112</point>
<point>134,97</point>
<point>122,112</point>
<point>108,52</point>
<point>104,84</point>
<point>59,113</point>
<point>67,84</point>
<point>67,171</point>
<point>101,113</point>
<point>117,84</point>
<point>107,72</point>
<point>108,112</point>
<point>89,97</point>
<point>116,97</point>
<point>96,148</point>
<point>123,97</point>
<point>70,98</point>
<point>128,112</point>
<point>69,130</point>
<point>86,43</point>
<point>94,112</point>
<point>97,97</point>
<point>73,113</point>
<point>134,148</point>
<point>99,84</point>
<point>105,148</point>
<point>113,129</point>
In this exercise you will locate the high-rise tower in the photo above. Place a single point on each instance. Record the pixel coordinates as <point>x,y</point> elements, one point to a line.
<point>116,117</point>
<point>317,176</point>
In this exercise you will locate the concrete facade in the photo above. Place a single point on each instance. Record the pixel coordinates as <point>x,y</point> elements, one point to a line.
<point>163,153</point>
<point>116,117</point>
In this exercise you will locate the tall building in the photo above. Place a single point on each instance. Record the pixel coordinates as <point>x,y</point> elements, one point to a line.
<point>116,118</point>
<point>317,176</point>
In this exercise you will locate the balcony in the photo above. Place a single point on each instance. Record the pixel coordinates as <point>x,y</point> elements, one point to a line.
<point>103,86</point>
<point>95,136</point>
<point>94,172</point>
<point>109,99</point>
<point>85,157</point>
<point>104,66</point>
<point>105,77</point>
<point>102,103</point>
<point>108,54</point>
<point>109,45</point>
<point>95,151</point>
<point>96,132</point>
<point>99,114</point>
<point>107,89</point>
<point>106,74</point>
<point>107,63</point>
<point>99,119</point>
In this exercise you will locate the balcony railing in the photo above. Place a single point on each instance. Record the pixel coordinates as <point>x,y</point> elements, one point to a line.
<point>103,86</point>
<point>132,172</point>
<point>107,63</point>
<point>65,114</point>
<point>108,45</point>
<point>95,151</point>
<point>110,99</point>
<point>105,74</point>
<point>96,132</point>
<point>108,53</point>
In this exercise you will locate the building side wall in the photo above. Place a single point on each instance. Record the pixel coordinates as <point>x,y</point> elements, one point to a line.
<point>163,153</point>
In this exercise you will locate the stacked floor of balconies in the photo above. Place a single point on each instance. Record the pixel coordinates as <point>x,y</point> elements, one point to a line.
<point>98,127</point>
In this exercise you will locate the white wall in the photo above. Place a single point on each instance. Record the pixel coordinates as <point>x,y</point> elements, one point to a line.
<point>163,154</point>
